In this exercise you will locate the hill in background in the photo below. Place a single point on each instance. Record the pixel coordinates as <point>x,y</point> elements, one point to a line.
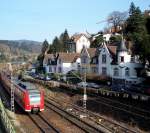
<point>17,47</point>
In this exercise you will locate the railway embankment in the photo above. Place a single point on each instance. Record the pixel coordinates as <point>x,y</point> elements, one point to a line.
<point>102,91</point>
<point>6,121</point>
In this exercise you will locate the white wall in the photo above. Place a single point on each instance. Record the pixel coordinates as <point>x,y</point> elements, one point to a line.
<point>127,57</point>
<point>133,74</point>
<point>107,37</point>
<point>82,41</point>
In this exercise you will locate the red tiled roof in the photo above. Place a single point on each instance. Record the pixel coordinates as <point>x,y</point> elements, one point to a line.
<point>112,49</point>
<point>68,57</point>
<point>92,52</point>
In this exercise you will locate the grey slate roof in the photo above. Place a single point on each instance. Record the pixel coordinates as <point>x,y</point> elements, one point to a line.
<point>122,46</point>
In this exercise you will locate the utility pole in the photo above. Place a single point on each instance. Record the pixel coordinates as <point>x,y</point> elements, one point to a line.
<point>12,90</point>
<point>84,94</point>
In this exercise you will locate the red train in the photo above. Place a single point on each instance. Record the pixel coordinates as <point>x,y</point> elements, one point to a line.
<point>26,94</point>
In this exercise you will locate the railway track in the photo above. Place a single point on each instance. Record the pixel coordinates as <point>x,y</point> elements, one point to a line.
<point>124,107</point>
<point>142,113</point>
<point>41,122</point>
<point>98,120</point>
<point>85,126</point>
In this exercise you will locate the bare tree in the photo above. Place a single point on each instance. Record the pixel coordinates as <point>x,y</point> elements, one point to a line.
<point>117,19</point>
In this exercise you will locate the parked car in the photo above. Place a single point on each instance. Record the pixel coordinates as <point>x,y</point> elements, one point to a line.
<point>47,78</point>
<point>93,85</point>
<point>41,77</point>
<point>82,84</point>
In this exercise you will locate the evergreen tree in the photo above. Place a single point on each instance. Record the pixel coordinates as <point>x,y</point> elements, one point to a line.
<point>115,39</point>
<point>148,24</point>
<point>50,49</point>
<point>45,46</point>
<point>65,40</point>
<point>40,58</point>
<point>57,45</point>
<point>137,33</point>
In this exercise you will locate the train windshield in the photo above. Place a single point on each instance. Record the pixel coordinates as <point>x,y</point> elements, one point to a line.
<point>34,97</point>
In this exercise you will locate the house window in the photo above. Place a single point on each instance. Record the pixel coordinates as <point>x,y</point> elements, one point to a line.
<point>127,72</point>
<point>116,72</point>
<point>104,71</point>
<point>84,59</point>
<point>50,69</point>
<point>59,69</point>
<point>122,58</point>
<point>103,58</point>
<point>94,70</point>
<point>54,69</point>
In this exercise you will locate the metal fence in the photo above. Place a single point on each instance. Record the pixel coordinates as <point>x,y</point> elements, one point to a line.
<point>5,119</point>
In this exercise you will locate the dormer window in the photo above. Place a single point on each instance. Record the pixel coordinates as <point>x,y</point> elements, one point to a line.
<point>84,60</point>
<point>103,58</point>
<point>122,58</point>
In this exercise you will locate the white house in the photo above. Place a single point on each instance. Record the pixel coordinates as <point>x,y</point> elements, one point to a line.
<point>61,62</point>
<point>117,62</point>
<point>89,61</point>
<point>77,42</point>
<point>50,63</point>
<point>105,58</point>
<point>126,67</point>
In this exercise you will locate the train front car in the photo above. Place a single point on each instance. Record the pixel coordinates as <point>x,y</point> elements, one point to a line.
<point>36,101</point>
<point>33,98</point>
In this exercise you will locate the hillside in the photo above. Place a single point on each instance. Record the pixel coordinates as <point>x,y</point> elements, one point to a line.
<point>16,47</point>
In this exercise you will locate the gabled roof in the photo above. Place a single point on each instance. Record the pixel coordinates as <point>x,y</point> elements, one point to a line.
<point>91,52</point>
<point>76,37</point>
<point>68,57</point>
<point>112,49</point>
<point>122,46</point>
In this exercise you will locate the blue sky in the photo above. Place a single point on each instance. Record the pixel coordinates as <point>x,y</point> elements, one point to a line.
<point>45,19</point>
